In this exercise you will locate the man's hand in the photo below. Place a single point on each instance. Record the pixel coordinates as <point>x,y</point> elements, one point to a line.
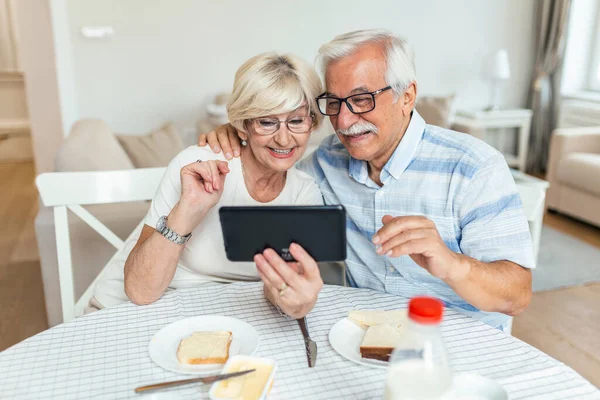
<point>498,286</point>
<point>293,287</point>
<point>225,138</point>
<point>419,238</point>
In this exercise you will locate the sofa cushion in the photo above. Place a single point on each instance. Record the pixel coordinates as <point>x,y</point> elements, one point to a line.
<point>580,171</point>
<point>155,149</point>
<point>91,146</point>
<point>437,111</point>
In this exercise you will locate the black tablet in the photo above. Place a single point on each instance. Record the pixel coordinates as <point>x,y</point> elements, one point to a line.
<point>321,230</point>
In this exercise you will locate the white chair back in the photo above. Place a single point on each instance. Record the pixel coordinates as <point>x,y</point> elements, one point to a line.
<point>72,190</point>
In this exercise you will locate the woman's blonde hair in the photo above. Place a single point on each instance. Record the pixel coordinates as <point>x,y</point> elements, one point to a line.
<point>270,84</point>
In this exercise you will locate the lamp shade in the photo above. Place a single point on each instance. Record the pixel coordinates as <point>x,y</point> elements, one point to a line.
<point>500,68</point>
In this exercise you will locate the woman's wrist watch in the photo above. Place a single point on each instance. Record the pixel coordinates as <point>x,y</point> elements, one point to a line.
<point>163,229</point>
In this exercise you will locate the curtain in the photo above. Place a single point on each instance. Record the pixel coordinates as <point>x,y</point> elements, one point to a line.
<point>552,19</point>
<point>8,39</point>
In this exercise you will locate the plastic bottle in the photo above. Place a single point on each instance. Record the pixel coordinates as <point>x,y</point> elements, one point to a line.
<point>419,365</point>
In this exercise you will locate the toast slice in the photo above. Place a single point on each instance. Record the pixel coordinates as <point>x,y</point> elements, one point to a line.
<point>367,318</point>
<point>379,341</point>
<point>205,348</point>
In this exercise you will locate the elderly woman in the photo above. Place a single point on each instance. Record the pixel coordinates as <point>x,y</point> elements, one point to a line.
<point>181,245</point>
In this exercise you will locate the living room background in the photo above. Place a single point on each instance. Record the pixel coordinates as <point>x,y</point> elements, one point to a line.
<point>165,61</point>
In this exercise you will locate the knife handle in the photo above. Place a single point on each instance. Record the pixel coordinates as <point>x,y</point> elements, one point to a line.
<point>303,327</point>
<point>167,384</point>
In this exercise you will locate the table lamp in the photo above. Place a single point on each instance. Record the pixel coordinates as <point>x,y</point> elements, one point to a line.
<point>499,72</point>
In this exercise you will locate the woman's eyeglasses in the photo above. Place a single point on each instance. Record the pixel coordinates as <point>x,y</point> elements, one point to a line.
<point>268,126</point>
<point>357,103</point>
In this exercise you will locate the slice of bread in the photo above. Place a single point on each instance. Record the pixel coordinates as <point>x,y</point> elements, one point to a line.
<point>205,348</point>
<point>367,318</point>
<point>380,340</point>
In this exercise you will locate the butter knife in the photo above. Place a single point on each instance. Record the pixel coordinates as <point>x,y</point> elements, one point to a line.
<point>206,379</point>
<point>311,345</point>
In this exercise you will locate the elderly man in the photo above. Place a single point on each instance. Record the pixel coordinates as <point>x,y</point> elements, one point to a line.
<point>430,211</point>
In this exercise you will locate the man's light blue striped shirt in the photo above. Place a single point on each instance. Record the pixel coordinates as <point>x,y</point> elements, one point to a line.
<point>459,182</point>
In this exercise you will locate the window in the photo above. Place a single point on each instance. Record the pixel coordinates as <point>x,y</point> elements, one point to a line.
<point>594,72</point>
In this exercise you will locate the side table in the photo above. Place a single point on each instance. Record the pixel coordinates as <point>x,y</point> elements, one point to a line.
<point>533,195</point>
<point>477,122</point>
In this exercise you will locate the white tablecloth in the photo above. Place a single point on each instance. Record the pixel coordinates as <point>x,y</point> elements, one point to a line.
<point>104,355</point>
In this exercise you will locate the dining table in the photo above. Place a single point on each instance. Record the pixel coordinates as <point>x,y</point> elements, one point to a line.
<point>104,354</point>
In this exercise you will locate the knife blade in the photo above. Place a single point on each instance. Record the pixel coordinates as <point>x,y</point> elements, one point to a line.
<point>309,344</point>
<point>205,380</point>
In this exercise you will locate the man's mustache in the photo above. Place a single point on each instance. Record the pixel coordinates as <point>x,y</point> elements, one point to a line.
<point>357,128</point>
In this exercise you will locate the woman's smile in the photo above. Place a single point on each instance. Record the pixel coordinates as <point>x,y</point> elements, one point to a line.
<point>282,153</point>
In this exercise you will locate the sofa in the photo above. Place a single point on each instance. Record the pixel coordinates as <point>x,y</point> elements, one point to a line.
<point>574,173</point>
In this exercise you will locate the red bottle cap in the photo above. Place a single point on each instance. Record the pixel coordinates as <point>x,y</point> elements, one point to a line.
<point>425,310</point>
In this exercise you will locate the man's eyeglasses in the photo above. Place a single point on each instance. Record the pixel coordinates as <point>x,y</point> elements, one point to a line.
<point>268,126</point>
<point>357,103</point>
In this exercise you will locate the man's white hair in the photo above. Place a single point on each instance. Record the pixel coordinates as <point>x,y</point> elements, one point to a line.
<point>399,56</point>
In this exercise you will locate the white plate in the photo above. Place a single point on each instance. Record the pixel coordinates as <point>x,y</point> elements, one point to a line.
<point>345,338</point>
<point>164,344</point>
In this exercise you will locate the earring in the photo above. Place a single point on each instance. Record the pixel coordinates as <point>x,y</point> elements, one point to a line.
<point>244,143</point>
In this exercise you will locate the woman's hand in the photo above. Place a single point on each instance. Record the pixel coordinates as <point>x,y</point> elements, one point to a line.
<point>202,184</point>
<point>223,137</point>
<point>294,287</point>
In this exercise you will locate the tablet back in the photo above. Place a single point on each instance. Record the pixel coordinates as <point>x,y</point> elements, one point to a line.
<point>320,230</point>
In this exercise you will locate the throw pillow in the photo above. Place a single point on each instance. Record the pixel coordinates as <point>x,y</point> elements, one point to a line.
<point>154,150</point>
<point>437,111</point>
<point>91,146</point>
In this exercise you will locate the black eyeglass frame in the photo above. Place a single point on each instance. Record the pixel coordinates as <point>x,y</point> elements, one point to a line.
<point>345,100</point>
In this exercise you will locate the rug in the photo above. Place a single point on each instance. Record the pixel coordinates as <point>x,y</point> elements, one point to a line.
<point>564,261</point>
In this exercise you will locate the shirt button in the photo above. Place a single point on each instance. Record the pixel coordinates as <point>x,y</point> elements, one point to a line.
<point>391,269</point>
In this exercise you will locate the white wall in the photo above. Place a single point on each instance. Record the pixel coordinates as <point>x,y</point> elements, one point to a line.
<point>167,57</point>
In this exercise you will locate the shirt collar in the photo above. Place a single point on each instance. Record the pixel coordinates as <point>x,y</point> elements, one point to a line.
<point>400,158</point>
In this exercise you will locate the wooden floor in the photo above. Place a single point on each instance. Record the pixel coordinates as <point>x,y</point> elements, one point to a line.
<point>563,323</point>
<point>22,310</point>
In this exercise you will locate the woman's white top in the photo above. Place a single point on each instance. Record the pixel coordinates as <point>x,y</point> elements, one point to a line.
<point>203,258</point>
